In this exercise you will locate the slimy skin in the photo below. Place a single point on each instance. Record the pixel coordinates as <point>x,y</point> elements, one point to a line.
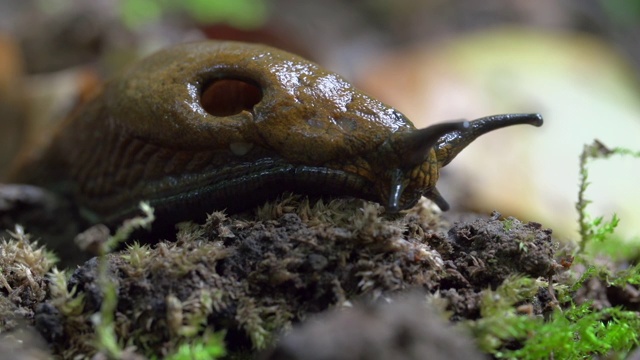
<point>224,125</point>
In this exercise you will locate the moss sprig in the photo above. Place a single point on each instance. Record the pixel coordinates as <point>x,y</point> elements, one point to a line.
<point>106,339</point>
<point>596,229</point>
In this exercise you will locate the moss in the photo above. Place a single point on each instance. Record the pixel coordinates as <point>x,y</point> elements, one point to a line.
<point>254,276</point>
<point>595,229</point>
<point>593,307</point>
<point>23,268</point>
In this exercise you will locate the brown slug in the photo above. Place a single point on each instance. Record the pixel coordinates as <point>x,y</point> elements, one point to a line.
<point>217,125</point>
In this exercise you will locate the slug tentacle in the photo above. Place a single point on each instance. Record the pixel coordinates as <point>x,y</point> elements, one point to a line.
<point>434,195</point>
<point>414,147</point>
<point>450,145</point>
<point>395,192</point>
<point>436,146</point>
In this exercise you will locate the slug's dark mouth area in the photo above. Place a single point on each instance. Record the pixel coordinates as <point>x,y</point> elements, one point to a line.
<point>226,97</point>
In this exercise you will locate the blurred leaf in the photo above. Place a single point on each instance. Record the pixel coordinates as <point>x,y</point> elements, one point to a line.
<point>237,13</point>
<point>625,12</point>
<point>137,12</point>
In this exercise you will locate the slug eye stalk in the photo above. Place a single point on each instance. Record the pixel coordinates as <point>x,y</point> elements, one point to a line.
<point>435,146</point>
<point>449,145</point>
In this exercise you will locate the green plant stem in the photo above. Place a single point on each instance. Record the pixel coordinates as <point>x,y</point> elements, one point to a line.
<point>582,203</point>
<point>107,341</point>
<point>596,228</point>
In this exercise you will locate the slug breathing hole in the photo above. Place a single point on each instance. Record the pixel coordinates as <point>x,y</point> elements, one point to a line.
<point>224,97</point>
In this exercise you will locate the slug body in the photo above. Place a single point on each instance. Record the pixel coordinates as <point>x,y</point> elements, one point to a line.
<point>217,125</point>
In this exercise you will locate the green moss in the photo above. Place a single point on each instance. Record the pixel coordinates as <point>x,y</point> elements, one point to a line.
<point>23,271</point>
<point>507,224</point>
<point>208,347</point>
<point>577,332</point>
<point>615,248</point>
<point>500,321</point>
<point>20,251</point>
<point>574,327</point>
<point>573,332</point>
<point>106,339</point>
<point>595,229</point>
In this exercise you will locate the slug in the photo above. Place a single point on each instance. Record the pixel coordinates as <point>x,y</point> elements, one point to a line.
<point>225,125</point>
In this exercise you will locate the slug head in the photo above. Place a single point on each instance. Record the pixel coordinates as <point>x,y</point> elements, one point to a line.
<point>253,104</point>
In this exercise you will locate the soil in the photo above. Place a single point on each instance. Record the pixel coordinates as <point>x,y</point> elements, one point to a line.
<point>255,275</point>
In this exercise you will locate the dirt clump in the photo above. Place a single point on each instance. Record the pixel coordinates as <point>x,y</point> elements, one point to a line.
<point>255,276</point>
